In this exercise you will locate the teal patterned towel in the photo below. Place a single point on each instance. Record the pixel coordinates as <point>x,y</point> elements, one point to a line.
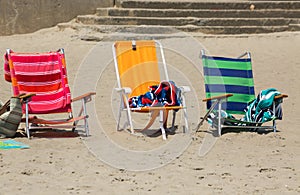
<point>12,144</point>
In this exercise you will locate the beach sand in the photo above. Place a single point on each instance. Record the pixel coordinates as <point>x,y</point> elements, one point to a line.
<point>235,163</point>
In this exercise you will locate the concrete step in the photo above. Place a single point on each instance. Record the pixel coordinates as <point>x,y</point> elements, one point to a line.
<point>165,30</point>
<point>276,0</point>
<point>106,20</point>
<point>236,17</point>
<point>209,5</point>
<point>237,30</point>
<point>204,13</point>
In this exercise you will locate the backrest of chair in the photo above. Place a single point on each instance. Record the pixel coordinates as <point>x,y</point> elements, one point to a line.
<point>224,75</point>
<point>136,65</point>
<point>43,74</point>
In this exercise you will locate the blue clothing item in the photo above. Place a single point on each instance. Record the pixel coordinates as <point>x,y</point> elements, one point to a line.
<point>164,94</point>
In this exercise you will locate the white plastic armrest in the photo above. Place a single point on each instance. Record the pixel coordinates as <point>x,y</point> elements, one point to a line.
<point>126,90</point>
<point>185,89</point>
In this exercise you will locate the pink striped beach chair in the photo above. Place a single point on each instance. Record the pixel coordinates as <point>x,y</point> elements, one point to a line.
<point>45,75</point>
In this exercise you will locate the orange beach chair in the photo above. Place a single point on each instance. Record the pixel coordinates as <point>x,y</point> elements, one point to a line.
<point>136,65</point>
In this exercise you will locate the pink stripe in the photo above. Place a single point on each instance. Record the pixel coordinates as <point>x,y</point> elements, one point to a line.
<point>38,70</point>
<point>47,97</point>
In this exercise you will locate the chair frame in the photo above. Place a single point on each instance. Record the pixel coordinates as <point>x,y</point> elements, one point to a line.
<point>59,124</point>
<point>161,111</point>
<point>218,100</point>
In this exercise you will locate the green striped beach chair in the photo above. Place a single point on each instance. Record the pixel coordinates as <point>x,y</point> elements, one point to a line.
<point>229,87</point>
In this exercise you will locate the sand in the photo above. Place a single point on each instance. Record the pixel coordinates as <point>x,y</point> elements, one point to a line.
<point>111,162</point>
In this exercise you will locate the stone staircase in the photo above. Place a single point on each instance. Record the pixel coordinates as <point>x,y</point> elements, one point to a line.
<point>235,17</point>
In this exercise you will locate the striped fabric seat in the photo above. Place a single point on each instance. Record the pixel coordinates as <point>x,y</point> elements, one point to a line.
<point>229,88</point>
<point>43,74</point>
<point>229,76</point>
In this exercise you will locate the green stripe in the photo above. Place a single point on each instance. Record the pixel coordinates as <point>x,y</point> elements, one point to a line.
<point>235,112</point>
<point>229,80</point>
<point>242,98</point>
<point>227,64</point>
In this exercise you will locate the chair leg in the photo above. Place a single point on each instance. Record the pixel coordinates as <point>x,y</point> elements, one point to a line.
<point>86,125</point>
<point>206,115</point>
<point>186,130</point>
<point>166,115</point>
<point>83,111</point>
<point>27,131</point>
<point>74,123</point>
<point>186,121</point>
<point>274,122</point>
<point>129,118</point>
<point>219,119</point>
<point>173,120</point>
<point>161,121</point>
<point>119,116</point>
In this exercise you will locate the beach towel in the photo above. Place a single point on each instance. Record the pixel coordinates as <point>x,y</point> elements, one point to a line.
<point>164,94</point>
<point>12,144</point>
<point>259,110</point>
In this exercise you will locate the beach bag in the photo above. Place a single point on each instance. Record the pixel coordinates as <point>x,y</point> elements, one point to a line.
<point>11,118</point>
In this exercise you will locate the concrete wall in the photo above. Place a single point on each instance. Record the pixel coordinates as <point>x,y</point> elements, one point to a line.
<point>25,16</point>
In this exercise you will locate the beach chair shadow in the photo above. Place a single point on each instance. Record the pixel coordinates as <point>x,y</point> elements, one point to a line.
<point>157,132</point>
<point>229,87</point>
<point>137,68</point>
<point>45,75</point>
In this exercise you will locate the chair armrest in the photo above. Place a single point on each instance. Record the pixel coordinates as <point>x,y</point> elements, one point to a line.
<point>86,95</point>
<point>126,90</point>
<point>25,97</point>
<point>218,97</point>
<point>185,89</point>
<point>281,96</point>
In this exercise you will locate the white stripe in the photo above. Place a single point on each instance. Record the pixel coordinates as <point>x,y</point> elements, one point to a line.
<point>47,102</point>
<point>37,73</point>
<point>44,93</point>
<point>39,83</point>
<point>35,63</point>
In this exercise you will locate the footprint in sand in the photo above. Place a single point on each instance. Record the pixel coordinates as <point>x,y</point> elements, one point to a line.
<point>266,170</point>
